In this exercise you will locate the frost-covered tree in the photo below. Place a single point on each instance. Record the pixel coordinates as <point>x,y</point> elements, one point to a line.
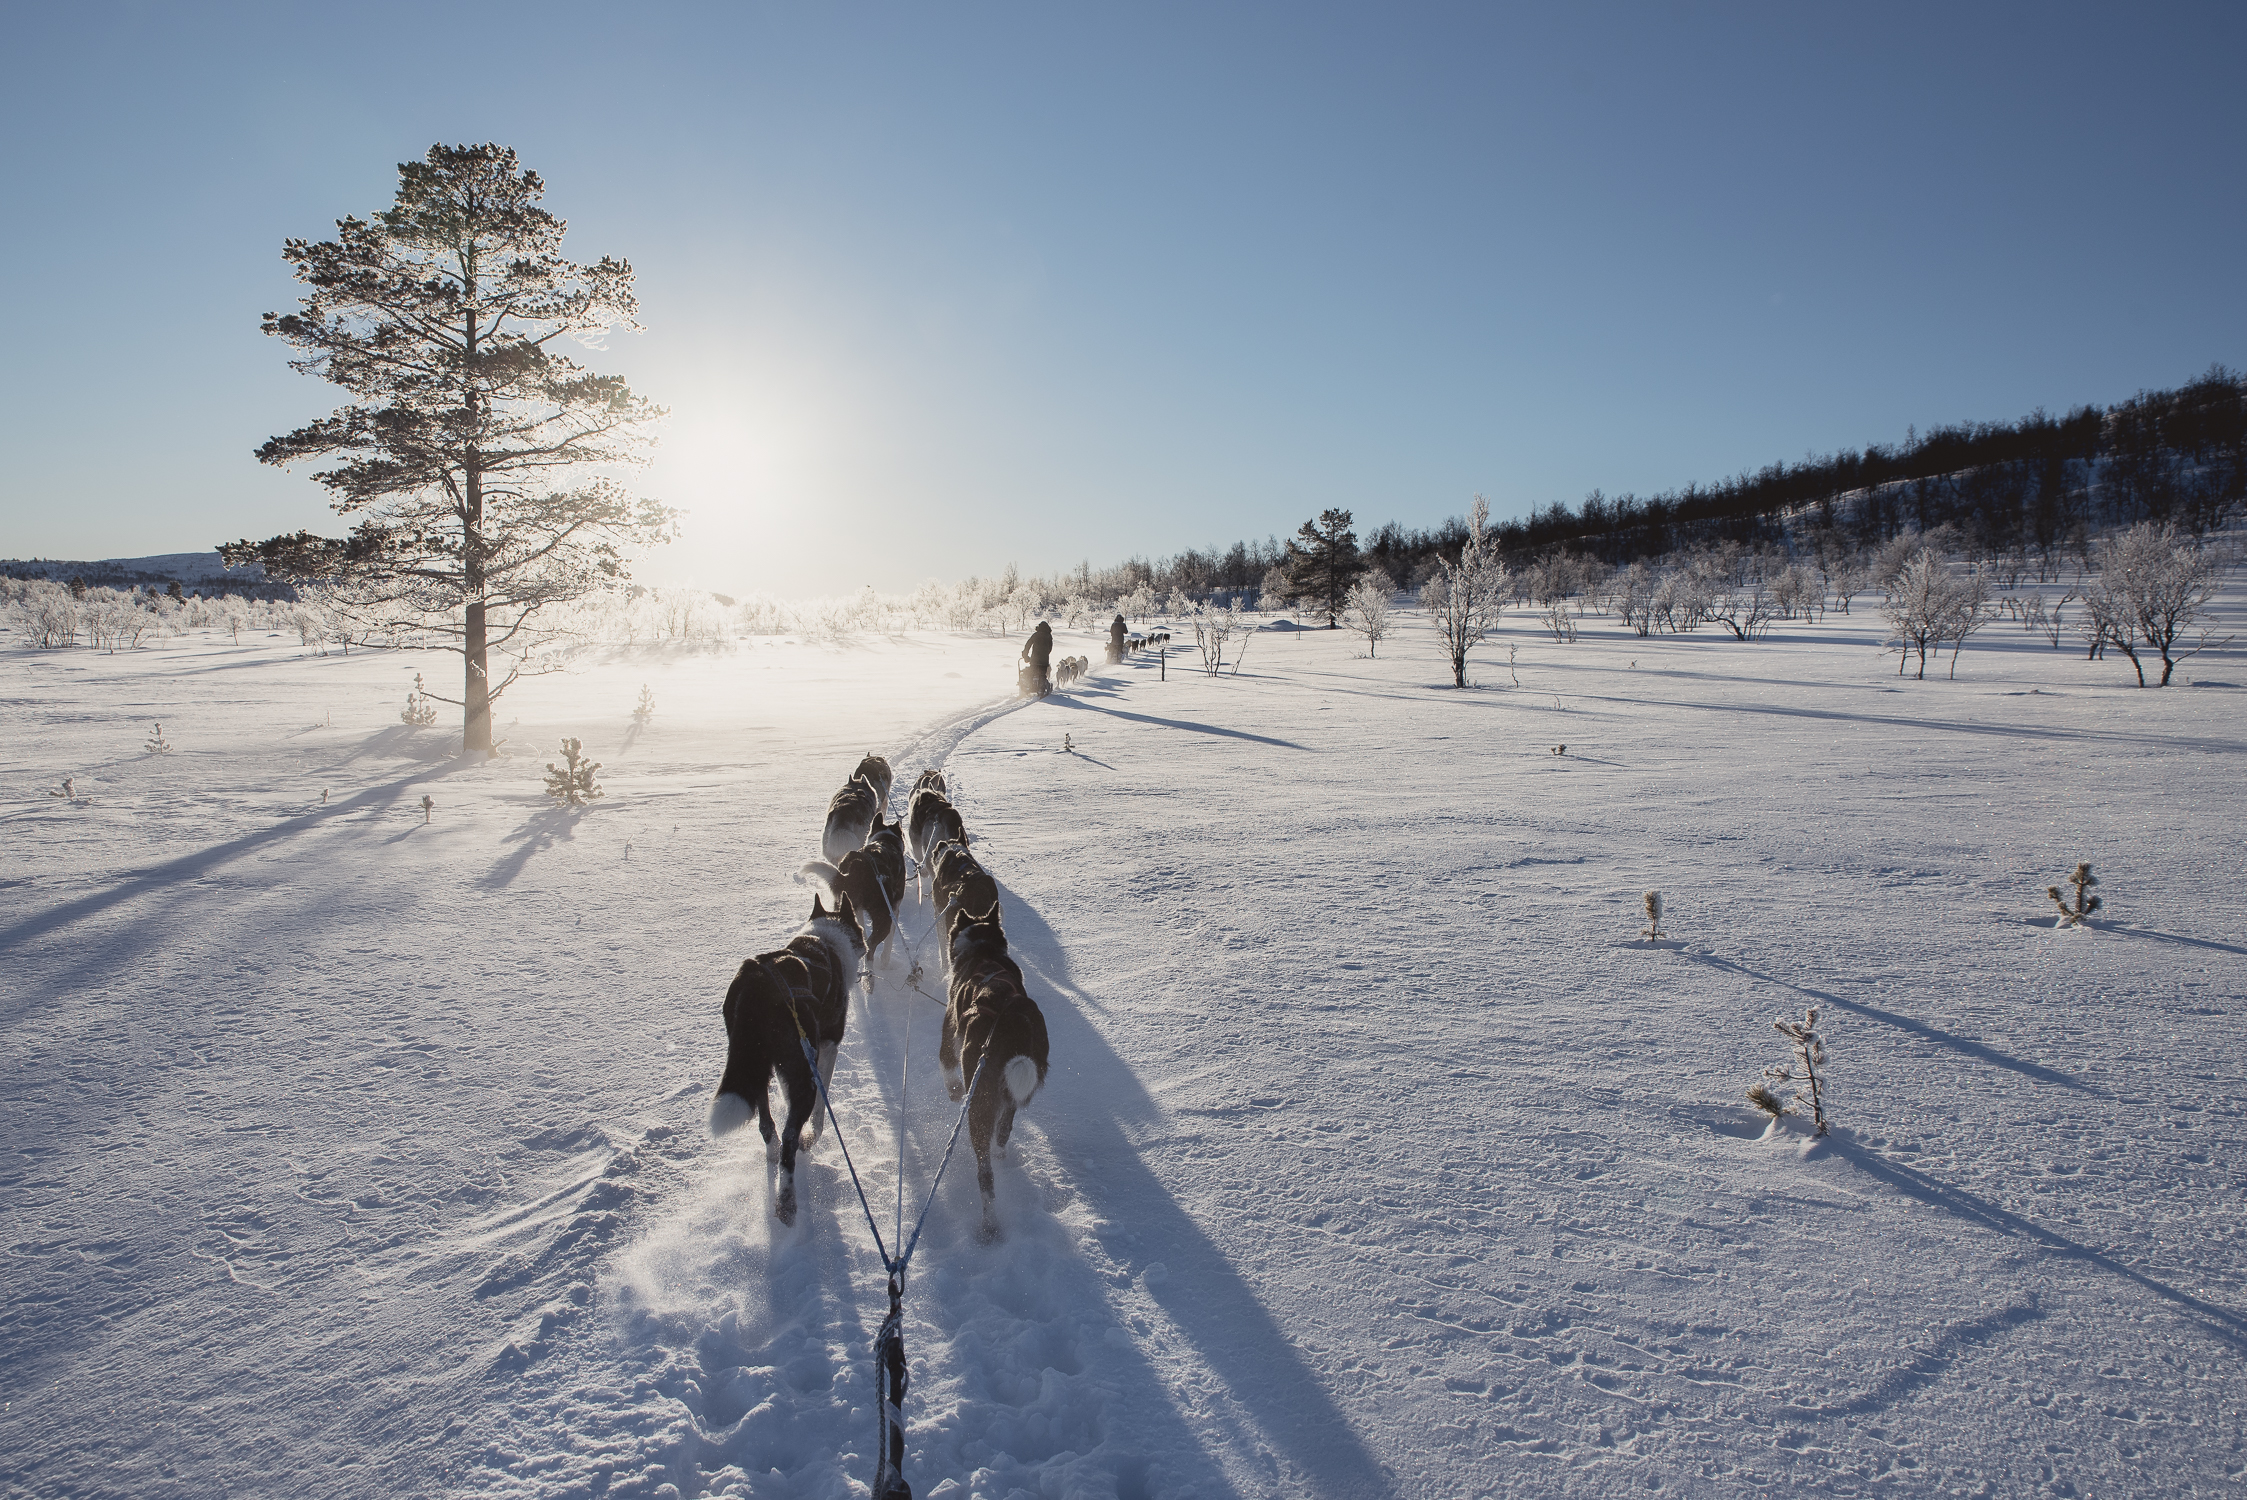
<point>1464,598</point>
<point>1922,601</point>
<point>1801,1072</point>
<point>473,451</point>
<point>1275,592</point>
<point>2153,584</point>
<point>1367,608</point>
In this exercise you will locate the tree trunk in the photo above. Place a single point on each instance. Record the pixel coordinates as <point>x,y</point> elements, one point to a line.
<point>476,693</point>
<point>476,698</point>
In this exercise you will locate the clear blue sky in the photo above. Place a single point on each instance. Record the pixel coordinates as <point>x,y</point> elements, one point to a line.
<point>932,288</point>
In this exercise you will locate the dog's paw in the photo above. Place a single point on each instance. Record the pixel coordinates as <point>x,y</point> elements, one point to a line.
<point>784,1207</point>
<point>988,1232</point>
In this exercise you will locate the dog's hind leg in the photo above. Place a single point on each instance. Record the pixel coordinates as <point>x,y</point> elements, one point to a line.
<point>1005,1130</point>
<point>826,1076</point>
<point>981,1118</point>
<point>800,1100</point>
<point>948,1057</point>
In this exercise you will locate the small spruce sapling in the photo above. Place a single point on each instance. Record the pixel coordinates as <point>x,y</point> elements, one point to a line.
<point>428,806</point>
<point>157,744</point>
<point>419,709</point>
<point>572,784</point>
<point>66,791</point>
<point>2085,903</point>
<point>1652,932</point>
<point>1802,1072</point>
<point>645,708</point>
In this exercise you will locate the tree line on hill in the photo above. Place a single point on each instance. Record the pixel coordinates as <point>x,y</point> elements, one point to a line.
<point>2040,488</point>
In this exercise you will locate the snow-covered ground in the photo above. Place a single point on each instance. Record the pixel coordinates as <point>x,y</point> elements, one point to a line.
<point>356,1156</point>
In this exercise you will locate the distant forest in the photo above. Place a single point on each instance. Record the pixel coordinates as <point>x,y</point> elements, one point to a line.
<point>2042,485</point>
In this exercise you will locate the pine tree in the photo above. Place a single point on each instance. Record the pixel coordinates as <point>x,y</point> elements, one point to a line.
<point>465,446</point>
<point>1653,929</point>
<point>572,784</point>
<point>1323,561</point>
<point>645,708</point>
<point>419,709</point>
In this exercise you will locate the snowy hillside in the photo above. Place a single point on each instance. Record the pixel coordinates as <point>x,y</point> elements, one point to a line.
<point>192,568</point>
<point>357,1155</point>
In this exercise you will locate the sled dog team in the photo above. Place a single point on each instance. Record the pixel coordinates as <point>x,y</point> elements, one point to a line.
<point>994,1034</point>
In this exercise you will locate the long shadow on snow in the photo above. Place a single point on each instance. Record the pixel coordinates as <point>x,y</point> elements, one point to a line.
<point>2165,937</point>
<point>1893,721</point>
<point>2221,1322</point>
<point>885,1027</point>
<point>1205,1297</point>
<point>1236,734</point>
<point>187,866</point>
<point>1981,1051</point>
<point>539,833</point>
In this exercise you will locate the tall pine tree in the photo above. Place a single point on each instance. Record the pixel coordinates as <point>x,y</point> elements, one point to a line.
<point>472,449</point>
<point>1323,561</point>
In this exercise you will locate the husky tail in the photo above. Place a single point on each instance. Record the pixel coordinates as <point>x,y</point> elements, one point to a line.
<point>826,875</point>
<point>1022,1080</point>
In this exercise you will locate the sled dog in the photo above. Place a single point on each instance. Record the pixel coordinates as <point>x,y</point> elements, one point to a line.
<point>992,1024</point>
<point>930,820</point>
<point>850,815</point>
<point>805,984</point>
<point>876,773</point>
<point>873,878</point>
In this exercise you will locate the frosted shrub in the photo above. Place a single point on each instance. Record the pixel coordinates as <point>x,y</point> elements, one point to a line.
<point>571,784</point>
<point>1464,598</point>
<point>1652,932</point>
<point>157,744</point>
<point>645,708</point>
<point>2085,902</point>
<point>1557,620</point>
<point>1366,608</point>
<point>419,709</point>
<point>2153,585</point>
<point>1801,1072</point>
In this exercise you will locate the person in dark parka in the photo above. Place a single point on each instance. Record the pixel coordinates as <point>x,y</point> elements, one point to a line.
<point>1116,639</point>
<point>1038,652</point>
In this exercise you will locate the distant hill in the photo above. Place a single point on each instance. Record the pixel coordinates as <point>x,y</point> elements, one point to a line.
<point>202,571</point>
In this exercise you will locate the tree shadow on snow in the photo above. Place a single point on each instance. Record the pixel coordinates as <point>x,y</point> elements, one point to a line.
<point>541,831</point>
<point>1204,1296</point>
<point>191,866</point>
<point>1236,734</point>
<point>2222,1323</point>
<point>1980,1051</point>
<point>1893,721</point>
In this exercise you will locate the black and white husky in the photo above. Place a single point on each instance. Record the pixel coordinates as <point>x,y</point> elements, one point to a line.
<point>931,819</point>
<point>995,1038</point>
<point>850,815</point>
<point>875,772</point>
<point>805,985</point>
<point>872,878</point>
<point>957,880</point>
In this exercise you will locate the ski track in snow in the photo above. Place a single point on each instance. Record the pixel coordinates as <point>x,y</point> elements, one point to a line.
<point>358,1157</point>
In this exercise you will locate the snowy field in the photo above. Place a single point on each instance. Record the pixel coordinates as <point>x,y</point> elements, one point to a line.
<point>354,1156</point>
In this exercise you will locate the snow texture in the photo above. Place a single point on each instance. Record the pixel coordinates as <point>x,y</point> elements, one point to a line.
<point>358,1157</point>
